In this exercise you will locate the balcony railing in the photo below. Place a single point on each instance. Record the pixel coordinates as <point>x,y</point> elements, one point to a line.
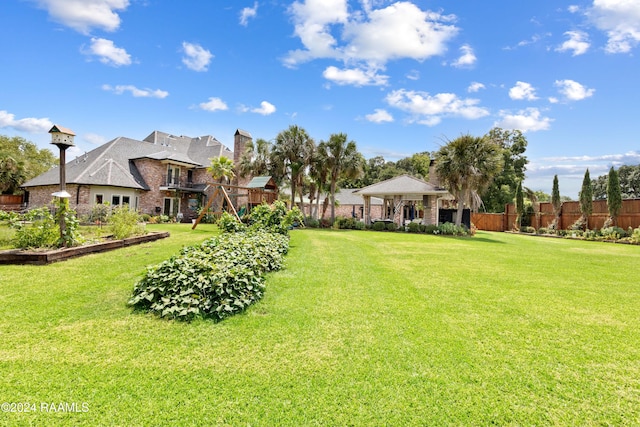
<point>180,183</point>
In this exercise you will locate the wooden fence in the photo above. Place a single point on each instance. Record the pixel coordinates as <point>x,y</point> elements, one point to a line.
<point>569,213</point>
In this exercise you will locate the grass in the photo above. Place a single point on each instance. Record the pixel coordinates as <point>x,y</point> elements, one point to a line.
<point>360,328</point>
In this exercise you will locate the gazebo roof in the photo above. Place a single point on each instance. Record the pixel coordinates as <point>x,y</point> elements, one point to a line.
<point>403,185</point>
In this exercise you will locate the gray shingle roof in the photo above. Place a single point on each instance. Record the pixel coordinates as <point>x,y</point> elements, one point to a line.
<point>112,163</point>
<point>404,185</point>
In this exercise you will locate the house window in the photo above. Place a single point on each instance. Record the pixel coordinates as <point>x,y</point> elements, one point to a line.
<point>99,199</point>
<point>190,176</point>
<point>115,200</point>
<point>126,200</point>
<point>173,175</point>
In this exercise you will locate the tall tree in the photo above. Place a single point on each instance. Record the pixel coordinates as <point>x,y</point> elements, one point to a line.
<point>466,166</point>
<point>502,189</point>
<point>292,153</point>
<point>629,178</point>
<point>256,159</point>
<point>519,205</point>
<point>614,195</point>
<point>342,162</point>
<point>21,160</point>
<point>586,198</point>
<point>556,202</point>
<point>319,173</point>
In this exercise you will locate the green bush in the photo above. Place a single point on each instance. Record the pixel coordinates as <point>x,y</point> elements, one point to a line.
<point>413,227</point>
<point>613,233</point>
<point>379,226</point>
<point>124,223</point>
<point>391,226</point>
<point>635,237</point>
<point>216,279</point>
<point>99,213</point>
<point>230,224</point>
<point>275,218</point>
<point>311,222</point>
<point>346,223</point>
<point>40,232</point>
<point>452,230</point>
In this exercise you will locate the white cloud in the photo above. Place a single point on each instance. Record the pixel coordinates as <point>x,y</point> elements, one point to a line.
<point>529,120</point>
<point>620,20</point>
<point>214,104</point>
<point>266,108</point>
<point>247,13</point>
<point>553,100</point>
<point>430,110</point>
<point>354,76</point>
<point>29,124</point>
<point>367,39</point>
<point>108,53</point>
<point>379,116</point>
<point>135,92</point>
<point>573,90</point>
<point>413,75</point>
<point>475,87</point>
<point>83,15</point>
<point>523,90</point>
<point>578,43</point>
<point>467,57</point>
<point>573,8</point>
<point>197,58</point>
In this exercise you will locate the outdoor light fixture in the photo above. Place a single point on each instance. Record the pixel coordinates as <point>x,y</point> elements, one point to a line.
<point>63,139</point>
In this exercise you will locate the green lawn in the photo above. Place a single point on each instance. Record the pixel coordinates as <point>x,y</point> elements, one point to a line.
<point>360,328</point>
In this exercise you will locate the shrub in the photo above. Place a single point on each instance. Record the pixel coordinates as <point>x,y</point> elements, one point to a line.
<point>99,214</point>
<point>613,233</point>
<point>542,230</point>
<point>124,223</point>
<point>528,229</point>
<point>42,232</point>
<point>379,226</point>
<point>216,279</point>
<point>275,218</point>
<point>346,223</point>
<point>413,227</point>
<point>391,226</point>
<point>635,237</point>
<point>452,230</point>
<point>145,217</point>
<point>311,222</point>
<point>230,224</point>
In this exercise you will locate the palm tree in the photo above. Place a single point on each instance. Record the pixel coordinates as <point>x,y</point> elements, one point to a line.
<point>342,161</point>
<point>222,169</point>
<point>256,159</point>
<point>319,174</point>
<point>291,155</point>
<point>466,166</point>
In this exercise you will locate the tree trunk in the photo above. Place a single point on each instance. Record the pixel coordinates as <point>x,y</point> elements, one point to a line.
<point>333,202</point>
<point>460,207</point>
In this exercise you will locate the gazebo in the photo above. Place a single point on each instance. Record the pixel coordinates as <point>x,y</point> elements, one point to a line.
<point>402,197</point>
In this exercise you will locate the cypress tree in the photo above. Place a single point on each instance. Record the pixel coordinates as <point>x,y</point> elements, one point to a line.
<point>556,202</point>
<point>586,198</point>
<point>614,195</point>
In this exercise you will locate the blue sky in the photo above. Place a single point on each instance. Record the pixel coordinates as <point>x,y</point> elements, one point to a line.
<point>397,77</point>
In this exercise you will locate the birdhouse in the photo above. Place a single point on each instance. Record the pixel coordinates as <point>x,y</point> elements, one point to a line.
<point>61,137</point>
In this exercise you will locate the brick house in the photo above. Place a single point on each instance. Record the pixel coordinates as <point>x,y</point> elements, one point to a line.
<point>162,174</point>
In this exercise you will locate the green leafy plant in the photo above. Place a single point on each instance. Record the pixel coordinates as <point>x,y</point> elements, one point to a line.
<point>230,224</point>
<point>216,279</point>
<point>124,223</point>
<point>379,226</point>
<point>413,227</point>
<point>37,229</point>
<point>71,235</point>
